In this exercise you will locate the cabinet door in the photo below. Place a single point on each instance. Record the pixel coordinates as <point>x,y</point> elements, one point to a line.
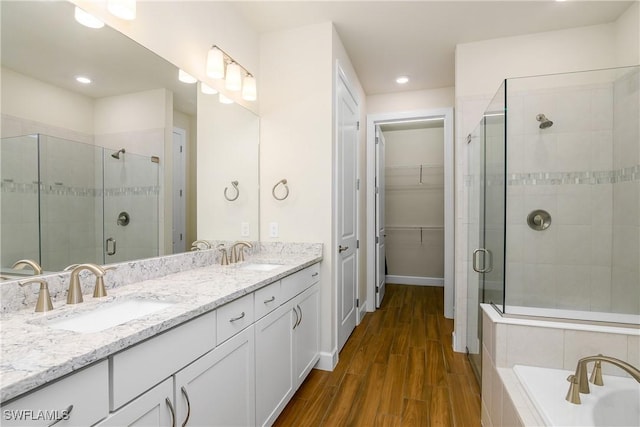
<point>153,408</point>
<point>274,363</point>
<point>219,388</point>
<point>306,333</point>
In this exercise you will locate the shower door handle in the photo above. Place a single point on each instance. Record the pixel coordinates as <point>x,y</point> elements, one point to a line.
<point>487,257</point>
<point>113,244</point>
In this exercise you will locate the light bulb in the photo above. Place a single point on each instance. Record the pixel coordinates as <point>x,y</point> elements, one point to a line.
<point>233,79</point>
<point>215,63</point>
<point>249,92</point>
<point>123,9</point>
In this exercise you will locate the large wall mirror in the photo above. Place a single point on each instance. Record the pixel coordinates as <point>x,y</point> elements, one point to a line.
<point>87,169</point>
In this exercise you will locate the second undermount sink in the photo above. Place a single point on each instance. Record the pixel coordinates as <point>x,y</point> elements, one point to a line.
<point>109,315</point>
<point>259,266</point>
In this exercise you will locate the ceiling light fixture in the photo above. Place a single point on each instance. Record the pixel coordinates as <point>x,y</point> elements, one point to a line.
<point>185,77</point>
<point>206,89</point>
<point>221,65</point>
<point>402,80</point>
<point>87,19</point>
<point>123,9</point>
<point>84,80</point>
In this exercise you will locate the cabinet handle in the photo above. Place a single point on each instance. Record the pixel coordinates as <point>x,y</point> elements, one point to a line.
<point>295,324</point>
<point>300,310</point>
<point>65,415</point>
<point>233,319</point>
<point>173,413</point>
<point>186,396</point>
<point>315,274</point>
<point>272,299</point>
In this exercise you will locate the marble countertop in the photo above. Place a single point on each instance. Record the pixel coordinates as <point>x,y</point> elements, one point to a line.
<point>33,354</point>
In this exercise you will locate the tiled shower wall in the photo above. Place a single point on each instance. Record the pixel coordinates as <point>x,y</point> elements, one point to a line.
<point>588,258</point>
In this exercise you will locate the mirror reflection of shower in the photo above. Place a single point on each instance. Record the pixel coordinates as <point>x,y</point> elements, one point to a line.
<point>116,155</point>
<point>544,122</point>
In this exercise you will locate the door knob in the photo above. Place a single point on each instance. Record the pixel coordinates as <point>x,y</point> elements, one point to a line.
<point>342,248</point>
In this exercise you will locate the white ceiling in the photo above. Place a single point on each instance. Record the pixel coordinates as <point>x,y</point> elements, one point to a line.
<point>385,39</point>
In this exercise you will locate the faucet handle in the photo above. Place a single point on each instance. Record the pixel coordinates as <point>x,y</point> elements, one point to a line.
<point>225,259</point>
<point>596,374</point>
<point>44,298</point>
<point>99,290</point>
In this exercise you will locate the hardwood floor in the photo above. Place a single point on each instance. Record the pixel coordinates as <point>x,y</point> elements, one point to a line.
<point>397,369</point>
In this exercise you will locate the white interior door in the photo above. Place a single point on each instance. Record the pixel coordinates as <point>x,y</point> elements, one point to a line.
<point>380,230</point>
<point>346,205</point>
<point>179,194</point>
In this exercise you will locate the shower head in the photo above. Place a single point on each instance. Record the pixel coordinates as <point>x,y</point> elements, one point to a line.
<point>544,122</point>
<point>116,155</point>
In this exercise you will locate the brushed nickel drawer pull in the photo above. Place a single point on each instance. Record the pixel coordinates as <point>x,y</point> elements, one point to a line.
<point>315,274</point>
<point>173,413</point>
<point>233,319</point>
<point>186,396</point>
<point>66,414</point>
<point>272,299</point>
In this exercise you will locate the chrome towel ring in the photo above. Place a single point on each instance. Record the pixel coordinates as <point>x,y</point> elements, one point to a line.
<point>235,186</point>
<point>286,188</point>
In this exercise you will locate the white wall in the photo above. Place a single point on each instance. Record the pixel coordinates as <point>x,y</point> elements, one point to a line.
<point>480,69</point>
<point>33,101</point>
<point>411,100</point>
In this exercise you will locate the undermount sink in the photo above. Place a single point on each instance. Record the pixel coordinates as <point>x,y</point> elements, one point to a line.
<point>111,314</point>
<point>255,266</point>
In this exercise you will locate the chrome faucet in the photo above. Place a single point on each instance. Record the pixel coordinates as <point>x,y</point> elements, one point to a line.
<point>198,245</point>
<point>19,265</point>
<point>74,295</point>
<point>237,252</point>
<point>580,384</point>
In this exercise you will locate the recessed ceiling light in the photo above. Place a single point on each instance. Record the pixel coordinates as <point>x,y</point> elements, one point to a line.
<point>84,80</point>
<point>402,80</point>
<point>87,19</point>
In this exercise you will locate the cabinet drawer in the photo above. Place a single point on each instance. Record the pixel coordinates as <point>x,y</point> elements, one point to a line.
<point>87,390</point>
<point>268,299</point>
<point>234,317</point>
<point>298,282</point>
<point>142,366</point>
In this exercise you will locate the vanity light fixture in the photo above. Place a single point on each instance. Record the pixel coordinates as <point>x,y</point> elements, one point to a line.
<point>222,66</point>
<point>233,80</point>
<point>224,100</point>
<point>185,77</point>
<point>87,19</point>
<point>84,80</point>
<point>123,9</point>
<point>249,92</point>
<point>402,80</point>
<point>206,89</point>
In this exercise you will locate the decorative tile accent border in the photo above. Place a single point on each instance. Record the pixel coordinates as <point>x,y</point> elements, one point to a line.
<point>9,186</point>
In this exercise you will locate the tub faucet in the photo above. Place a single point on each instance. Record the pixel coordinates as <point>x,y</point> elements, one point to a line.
<point>580,384</point>
<point>19,265</point>
<point>74,295</point>
<point>237,252</point>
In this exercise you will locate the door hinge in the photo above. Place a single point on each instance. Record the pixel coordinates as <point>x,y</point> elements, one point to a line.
<point>181,148</point>
<point>358,125</point>
<point>180,193</point>
<point>377,139</point>
<point>357,302</point>
<point>377,239</point>
<point>358,184</point>
<point>357,244</point>
<point>377,288</point>
<point>181,237</point>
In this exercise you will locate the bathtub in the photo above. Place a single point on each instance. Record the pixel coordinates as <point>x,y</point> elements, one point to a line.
<point>555,313</point>
<point>617,403</point>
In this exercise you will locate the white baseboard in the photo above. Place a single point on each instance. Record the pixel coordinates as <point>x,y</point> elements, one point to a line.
<point>415,280</point>
<point>327,361</point>
<point>362,310</point>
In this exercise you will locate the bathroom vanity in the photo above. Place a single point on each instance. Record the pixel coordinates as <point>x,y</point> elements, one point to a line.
<point>220,345</point>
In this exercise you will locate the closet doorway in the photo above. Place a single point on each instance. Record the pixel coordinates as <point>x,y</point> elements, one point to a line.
<point>410,202</point>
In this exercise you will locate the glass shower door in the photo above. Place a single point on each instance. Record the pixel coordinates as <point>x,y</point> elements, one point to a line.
<point>131,193</point>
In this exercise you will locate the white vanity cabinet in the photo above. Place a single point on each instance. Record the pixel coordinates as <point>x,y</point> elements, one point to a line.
<point>218,389</point>
<point>80,399</point>
<point>287,345</point>
<point>155,408</point>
